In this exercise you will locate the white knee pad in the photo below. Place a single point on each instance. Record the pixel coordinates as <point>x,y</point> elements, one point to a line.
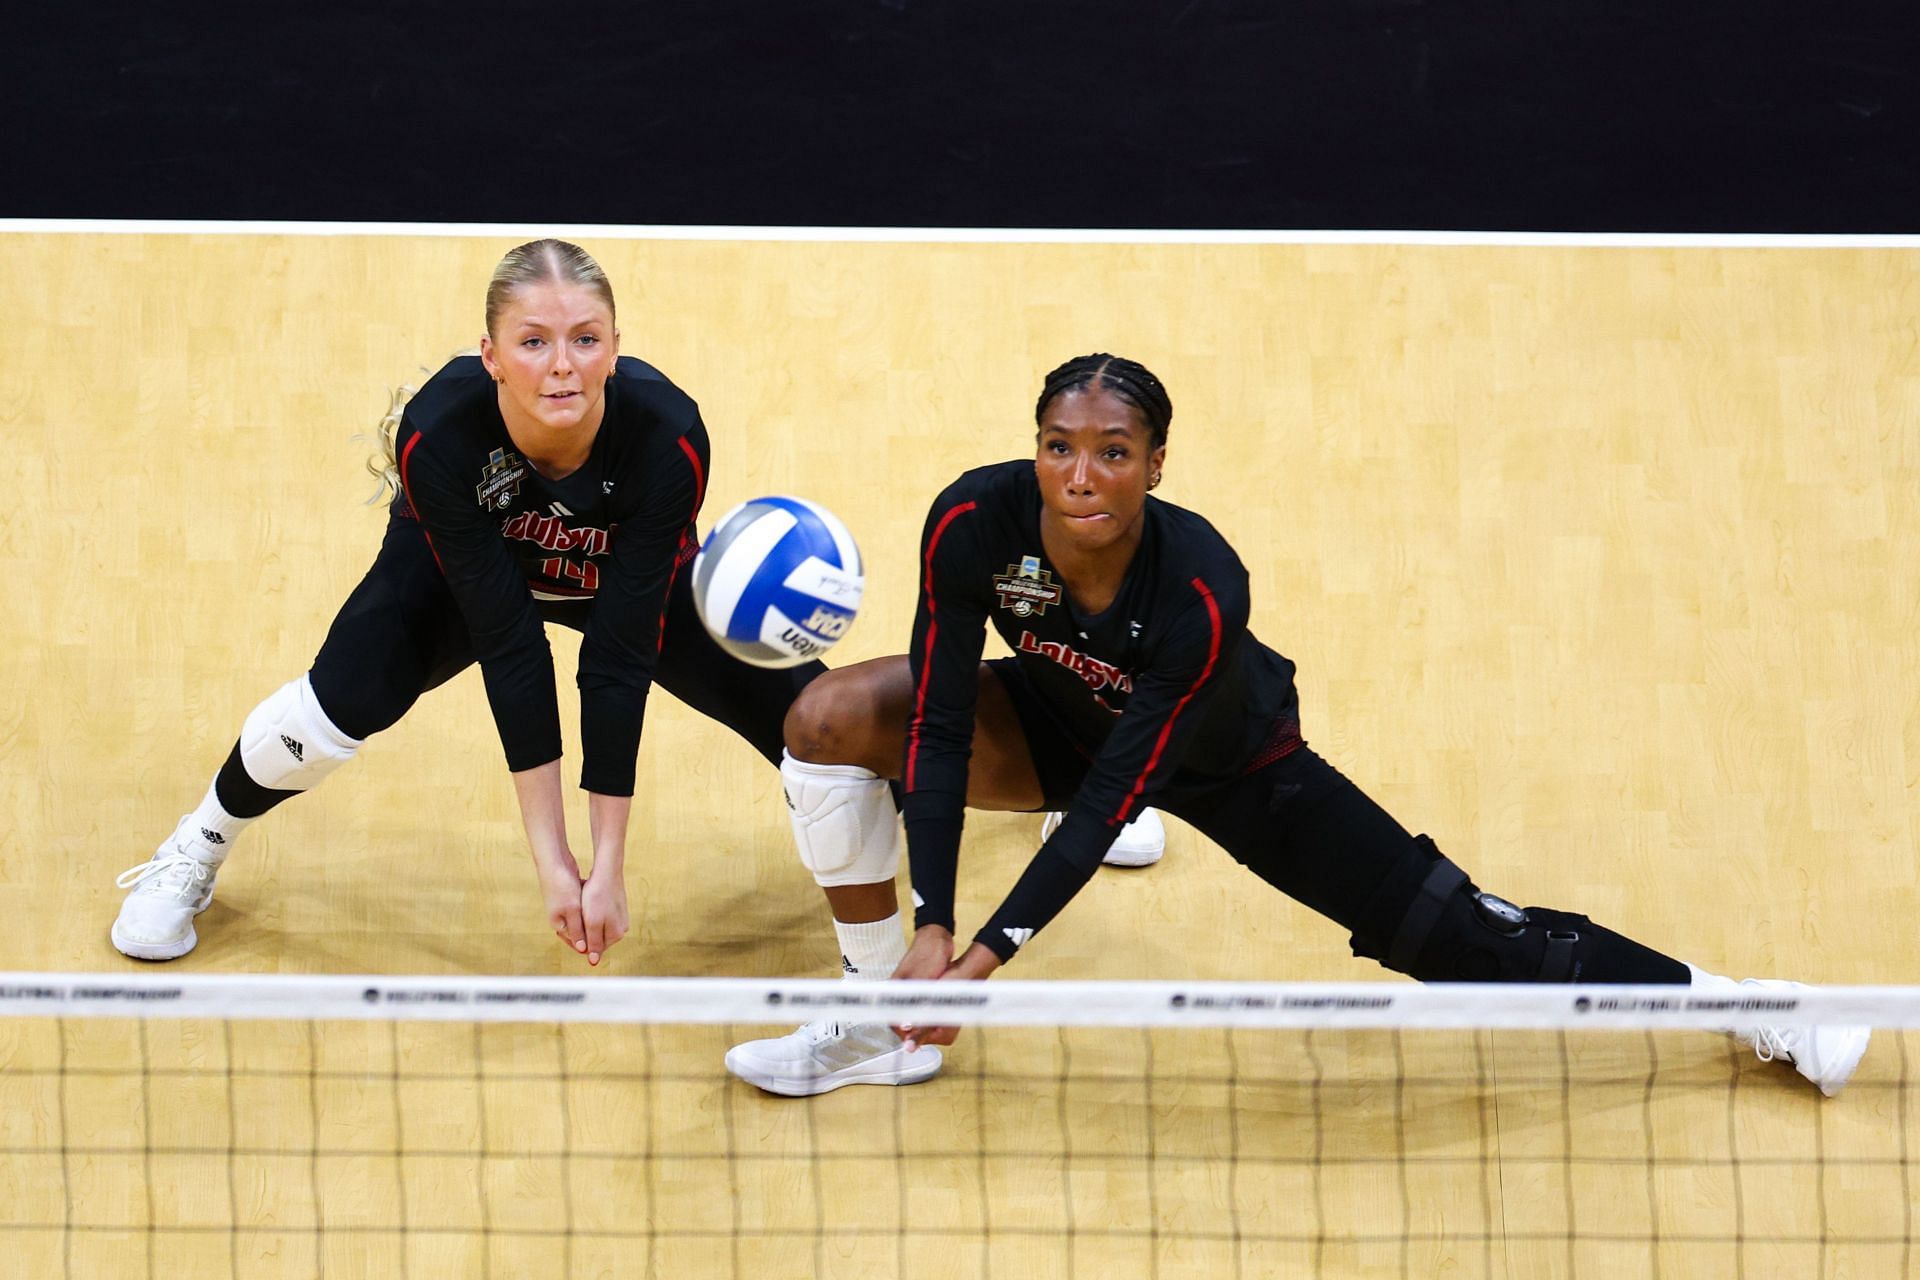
<point>843,822</point>
<point>288,744</point>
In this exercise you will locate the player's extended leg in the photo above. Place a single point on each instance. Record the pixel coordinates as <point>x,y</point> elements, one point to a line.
<point>751,701</point>
<point>398,635</point>
<point>845,735</point>
<point>1304,828</point>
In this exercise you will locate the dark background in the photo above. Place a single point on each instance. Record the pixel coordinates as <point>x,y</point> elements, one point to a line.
<point>1632,115</point>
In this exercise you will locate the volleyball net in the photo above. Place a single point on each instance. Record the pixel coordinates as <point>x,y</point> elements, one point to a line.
<point>448,1127</point>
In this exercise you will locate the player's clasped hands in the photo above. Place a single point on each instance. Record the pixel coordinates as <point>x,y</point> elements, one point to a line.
<point>560,887</point>
<point>603,912</point>
<point>931,957</point>
<point>589,914</point>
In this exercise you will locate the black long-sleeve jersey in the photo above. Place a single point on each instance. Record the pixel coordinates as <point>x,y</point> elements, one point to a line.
<point>1166,682</point>
<point>613,533</point>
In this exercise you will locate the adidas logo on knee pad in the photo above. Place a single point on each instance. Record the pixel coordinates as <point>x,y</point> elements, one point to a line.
<point>289,744</point>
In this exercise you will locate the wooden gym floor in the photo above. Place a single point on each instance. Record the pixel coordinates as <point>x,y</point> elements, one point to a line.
<point>1598,565</point>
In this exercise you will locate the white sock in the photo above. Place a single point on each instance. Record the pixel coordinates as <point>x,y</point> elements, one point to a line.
<point>871,952</point>
<point>209,831</point>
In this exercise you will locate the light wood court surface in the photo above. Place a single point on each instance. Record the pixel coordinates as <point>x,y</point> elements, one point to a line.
<point>1598,564</point>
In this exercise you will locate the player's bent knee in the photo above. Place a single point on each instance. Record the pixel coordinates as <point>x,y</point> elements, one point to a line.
<point>1454,932</point>
<point>831,721</point>
<point>843,822</point>
<point>289,744</point>
<point>815,722</point>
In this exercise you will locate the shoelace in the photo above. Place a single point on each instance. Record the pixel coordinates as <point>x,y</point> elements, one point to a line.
<point>1774,1042</point>
<point>176,873</point>
<point>820,1032</point>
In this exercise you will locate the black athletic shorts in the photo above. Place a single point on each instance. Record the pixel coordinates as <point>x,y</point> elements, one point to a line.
<point>401,633</point>
<point>1293,819</point>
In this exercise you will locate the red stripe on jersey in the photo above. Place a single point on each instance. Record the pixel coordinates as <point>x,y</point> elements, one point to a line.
<point>933,629</point>
<point>406,454</point>
<point>1166,730</point>
<point>680,552</point>
<point>660,629</point>
<point>699,476</point>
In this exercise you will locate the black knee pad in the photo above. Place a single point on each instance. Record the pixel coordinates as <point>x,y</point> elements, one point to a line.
<point>1453,932</point>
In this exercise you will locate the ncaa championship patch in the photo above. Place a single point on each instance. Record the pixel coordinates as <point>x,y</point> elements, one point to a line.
<point>1027,589</point>
<point>500,479</point>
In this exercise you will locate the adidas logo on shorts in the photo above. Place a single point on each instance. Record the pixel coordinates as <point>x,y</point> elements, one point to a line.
<point>298,751</point>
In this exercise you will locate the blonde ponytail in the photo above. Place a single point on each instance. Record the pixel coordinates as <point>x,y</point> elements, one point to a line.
<point>383,464</point>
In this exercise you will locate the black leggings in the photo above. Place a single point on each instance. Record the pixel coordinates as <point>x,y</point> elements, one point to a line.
<point>1304,828</point>
<point>401,633</point>
<point>1300,825</point>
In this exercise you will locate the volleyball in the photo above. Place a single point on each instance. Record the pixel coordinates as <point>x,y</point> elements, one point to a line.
<point>778,581</point>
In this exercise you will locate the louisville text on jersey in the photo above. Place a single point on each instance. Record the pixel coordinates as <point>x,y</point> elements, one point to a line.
<point>1098,675</point>
<point>550,534</point>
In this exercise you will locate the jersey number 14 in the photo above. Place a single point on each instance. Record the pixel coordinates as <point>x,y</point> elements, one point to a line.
<point>561,569</point>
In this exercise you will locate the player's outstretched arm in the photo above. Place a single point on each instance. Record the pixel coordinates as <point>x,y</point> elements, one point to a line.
<point>545,820</point>
<point>603,900</point>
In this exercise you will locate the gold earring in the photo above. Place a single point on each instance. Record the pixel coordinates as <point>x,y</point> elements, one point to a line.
<point>1154,483</point>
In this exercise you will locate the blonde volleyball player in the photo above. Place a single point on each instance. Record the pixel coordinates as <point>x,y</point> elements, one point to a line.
<point>548,479</point>
<point>1134,680</point>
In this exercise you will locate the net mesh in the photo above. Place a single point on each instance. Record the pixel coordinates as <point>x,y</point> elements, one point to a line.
<point>434,1127</point>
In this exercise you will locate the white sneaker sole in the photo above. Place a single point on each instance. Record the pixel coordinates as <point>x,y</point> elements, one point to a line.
<point>1117,857</point>
<point>1841,1069</point>
<point>158,950</point>
<point>897,1067</point>
<point>154,950</point>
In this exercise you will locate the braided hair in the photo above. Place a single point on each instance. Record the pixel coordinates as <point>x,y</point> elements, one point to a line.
<point>1132,382</point>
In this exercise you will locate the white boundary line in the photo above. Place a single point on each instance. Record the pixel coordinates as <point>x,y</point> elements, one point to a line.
<point>376,997</point>
<point>952,235</point>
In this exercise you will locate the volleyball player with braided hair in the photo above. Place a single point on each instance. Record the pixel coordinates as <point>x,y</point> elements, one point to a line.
<point>548,479</point>
<point>1133,680</point>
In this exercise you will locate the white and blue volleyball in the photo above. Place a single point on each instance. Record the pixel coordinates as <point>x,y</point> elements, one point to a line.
<point>778,581</point>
